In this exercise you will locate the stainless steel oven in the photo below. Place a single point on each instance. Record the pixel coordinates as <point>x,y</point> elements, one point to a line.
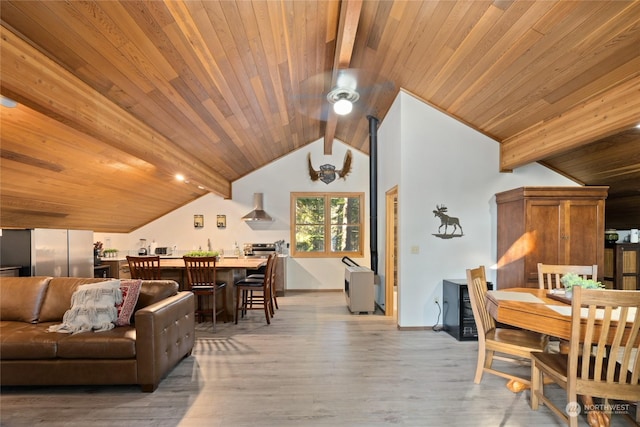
<point>260,250</point>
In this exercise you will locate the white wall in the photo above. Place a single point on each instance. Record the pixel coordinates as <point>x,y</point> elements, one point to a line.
<point>441,161</point>
<point>276,181</point>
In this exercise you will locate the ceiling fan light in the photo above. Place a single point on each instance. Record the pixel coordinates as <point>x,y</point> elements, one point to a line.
<point>342,100</point>
<point>343,107</point>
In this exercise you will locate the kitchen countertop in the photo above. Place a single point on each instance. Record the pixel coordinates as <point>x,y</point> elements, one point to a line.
<point>251,263</point>
<point>226,262</point>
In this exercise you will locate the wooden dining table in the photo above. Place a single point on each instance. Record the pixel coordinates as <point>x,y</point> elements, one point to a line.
<point>529,308</point>
<point>536,310</point>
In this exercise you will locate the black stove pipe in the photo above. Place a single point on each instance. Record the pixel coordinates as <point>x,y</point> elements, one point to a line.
<point>373,191</point>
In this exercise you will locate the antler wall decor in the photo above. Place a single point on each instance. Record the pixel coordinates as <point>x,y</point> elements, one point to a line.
<point>327,172</point>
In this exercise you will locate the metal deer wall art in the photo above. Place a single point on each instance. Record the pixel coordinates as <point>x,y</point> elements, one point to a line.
<point>327,173</point>
<point>447,221</point>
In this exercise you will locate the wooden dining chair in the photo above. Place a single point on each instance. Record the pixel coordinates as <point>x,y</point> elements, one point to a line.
<point>612,368</point>
<point>202,281</point>
<point>255,294</point>
<point>260,276</point>
<point>272,284</point>
<point>549,275</point>
<point>144,267</point>
<point>511,345</point>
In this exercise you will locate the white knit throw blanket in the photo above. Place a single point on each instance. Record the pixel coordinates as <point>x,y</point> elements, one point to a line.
<point>93,307</point>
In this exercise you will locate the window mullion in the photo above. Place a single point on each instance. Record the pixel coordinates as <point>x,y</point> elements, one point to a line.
<point>327,224</point>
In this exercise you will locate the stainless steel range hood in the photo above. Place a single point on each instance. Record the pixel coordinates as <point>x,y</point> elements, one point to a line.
<point>258,213</point>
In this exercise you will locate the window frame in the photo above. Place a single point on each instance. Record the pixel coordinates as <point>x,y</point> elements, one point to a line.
<point>327,253</point>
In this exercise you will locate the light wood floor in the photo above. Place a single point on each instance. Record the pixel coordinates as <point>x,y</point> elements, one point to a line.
<point>315,365</point>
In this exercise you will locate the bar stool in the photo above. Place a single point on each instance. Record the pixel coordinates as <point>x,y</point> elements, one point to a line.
<point>144,267</point>
<point>260,276</point>
<point>201,280</point>
<point>255,294</point>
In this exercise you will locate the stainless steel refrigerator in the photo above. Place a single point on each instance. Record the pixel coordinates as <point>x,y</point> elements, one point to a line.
<point>48,252</point>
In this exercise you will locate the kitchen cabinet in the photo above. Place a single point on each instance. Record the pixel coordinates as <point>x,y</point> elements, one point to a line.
<point>102,271</point>
<point>622,266</point>
<point>551,225</point>
<point>118,268</point>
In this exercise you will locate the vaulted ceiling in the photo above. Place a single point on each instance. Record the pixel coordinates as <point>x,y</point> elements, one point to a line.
<point>116,97</point>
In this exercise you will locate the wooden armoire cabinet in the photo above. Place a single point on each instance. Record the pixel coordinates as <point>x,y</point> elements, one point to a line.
<point>551,225</point>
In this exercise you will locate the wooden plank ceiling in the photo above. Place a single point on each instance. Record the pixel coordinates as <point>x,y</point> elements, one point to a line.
<point>115,97</point>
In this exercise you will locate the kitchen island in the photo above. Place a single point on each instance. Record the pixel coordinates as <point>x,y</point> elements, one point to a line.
<point>228,269</point>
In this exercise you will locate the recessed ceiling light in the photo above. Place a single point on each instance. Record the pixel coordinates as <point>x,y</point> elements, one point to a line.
<point>179,177</point>
<point>7,102</point>
<point>638,125</point>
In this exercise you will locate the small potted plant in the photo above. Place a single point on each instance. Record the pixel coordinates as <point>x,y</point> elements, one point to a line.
<point>570,280</point>
<point>97,249</point>
<point>110,253</point>
<point>204,253</point>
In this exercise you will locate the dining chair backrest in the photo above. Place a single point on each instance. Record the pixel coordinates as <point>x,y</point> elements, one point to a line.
<point>549,275</point>
<point>269,272</point>
<point>272,273</point>
<point>201,271</point>
<point>598,329</point>
<point>477,287</point>
<point>144,267</point>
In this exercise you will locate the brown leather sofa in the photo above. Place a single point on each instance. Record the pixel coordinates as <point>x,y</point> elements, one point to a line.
<point>162,333</point>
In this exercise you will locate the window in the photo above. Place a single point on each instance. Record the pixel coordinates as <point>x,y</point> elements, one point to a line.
<point>327,224</point>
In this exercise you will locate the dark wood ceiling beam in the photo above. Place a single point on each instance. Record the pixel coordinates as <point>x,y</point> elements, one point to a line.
<point>345,39</point>
<point>609,113</point>
<point>41,84</point>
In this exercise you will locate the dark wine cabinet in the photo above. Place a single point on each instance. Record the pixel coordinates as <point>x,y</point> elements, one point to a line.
<point>457,314</point>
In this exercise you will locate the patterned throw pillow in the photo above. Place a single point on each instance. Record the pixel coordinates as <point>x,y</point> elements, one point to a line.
<point>130,292</point>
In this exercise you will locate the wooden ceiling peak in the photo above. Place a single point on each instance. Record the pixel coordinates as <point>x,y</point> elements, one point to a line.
<point>347,29</point>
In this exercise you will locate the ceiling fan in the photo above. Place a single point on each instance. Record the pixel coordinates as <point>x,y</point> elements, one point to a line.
<point>355,91</point>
